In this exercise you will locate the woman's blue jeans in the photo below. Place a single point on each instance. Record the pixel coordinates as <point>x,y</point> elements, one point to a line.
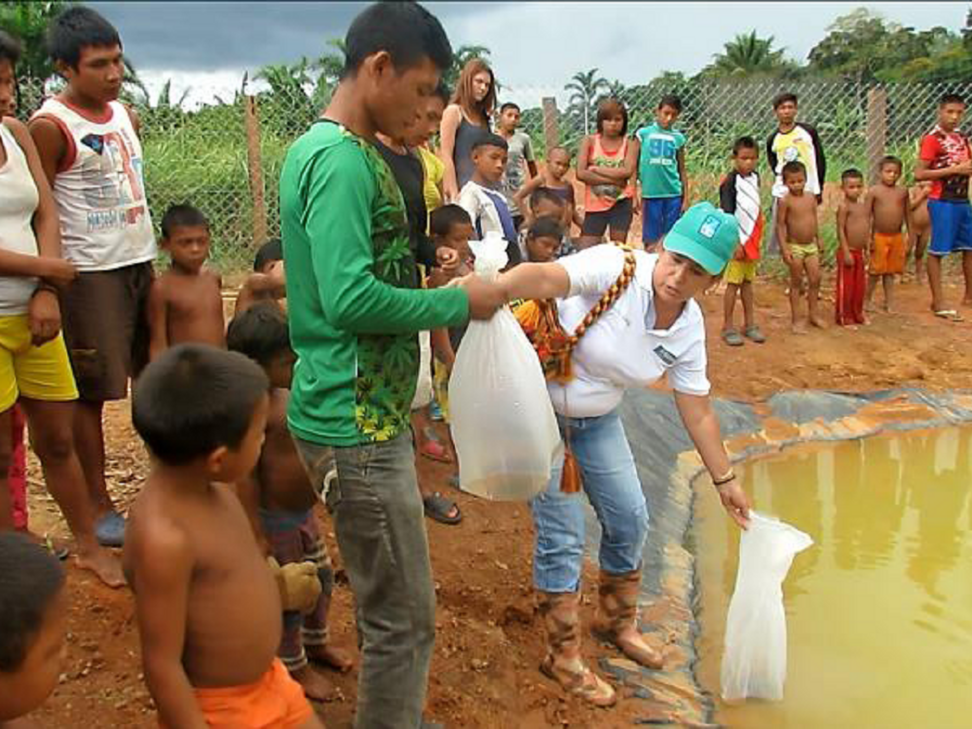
<point>611,483</point>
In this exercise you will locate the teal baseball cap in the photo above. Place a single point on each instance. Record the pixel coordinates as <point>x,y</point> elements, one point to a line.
<point>706,235</point>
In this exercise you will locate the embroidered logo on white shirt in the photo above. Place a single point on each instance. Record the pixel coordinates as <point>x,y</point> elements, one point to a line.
<point>664,355</point>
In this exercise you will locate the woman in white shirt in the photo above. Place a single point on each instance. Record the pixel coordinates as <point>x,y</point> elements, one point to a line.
<point>655,327</point>
<point>34,364</point>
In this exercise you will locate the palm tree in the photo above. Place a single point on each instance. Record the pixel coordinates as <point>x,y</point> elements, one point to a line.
<point>134,91</point>
<point>617,90</point>
<point>747,54</point>
<point>584,87</point>
<point>460,57</point>
<point>331,63</point>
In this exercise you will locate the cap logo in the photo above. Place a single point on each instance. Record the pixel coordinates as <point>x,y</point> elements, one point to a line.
<point>710,226</point>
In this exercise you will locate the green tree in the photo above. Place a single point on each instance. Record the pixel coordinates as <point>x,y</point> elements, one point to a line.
<point>617,90</point>
<point>300,91</point>
<point>460,57</point>
<point>747,54</point>
<point>585,87</point>
<point>864,47</point>
<point>28,21</point>
<point>330,64</point>
<point>855,46</point>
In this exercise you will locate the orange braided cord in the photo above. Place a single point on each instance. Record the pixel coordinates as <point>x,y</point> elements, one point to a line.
<point>553,345</point>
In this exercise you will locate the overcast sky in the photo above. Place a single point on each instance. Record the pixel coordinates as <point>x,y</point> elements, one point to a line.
<point>535,46</point>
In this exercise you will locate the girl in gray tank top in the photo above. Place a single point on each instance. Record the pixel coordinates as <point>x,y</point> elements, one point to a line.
<point>462,155</point>
<point>467,116</point>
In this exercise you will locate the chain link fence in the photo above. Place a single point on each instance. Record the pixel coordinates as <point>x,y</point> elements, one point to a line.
<point>225,156</point>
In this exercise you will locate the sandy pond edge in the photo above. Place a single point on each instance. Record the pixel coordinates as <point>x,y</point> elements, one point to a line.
<point>667,466</point>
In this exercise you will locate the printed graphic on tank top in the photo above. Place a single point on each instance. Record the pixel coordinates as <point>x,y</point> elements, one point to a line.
<point>100,189</point>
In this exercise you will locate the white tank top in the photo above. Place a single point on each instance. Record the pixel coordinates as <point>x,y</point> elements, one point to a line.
<point>18,201</point>
<point>100,189</point>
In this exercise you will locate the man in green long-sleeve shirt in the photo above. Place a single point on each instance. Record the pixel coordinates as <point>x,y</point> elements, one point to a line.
<point>354,321</point>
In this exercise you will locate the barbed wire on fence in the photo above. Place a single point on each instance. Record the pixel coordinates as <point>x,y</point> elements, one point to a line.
<point>226,157</point>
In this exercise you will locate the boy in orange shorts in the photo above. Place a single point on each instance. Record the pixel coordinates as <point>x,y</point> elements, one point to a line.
<point>889,209</point>
<point>208,604</point>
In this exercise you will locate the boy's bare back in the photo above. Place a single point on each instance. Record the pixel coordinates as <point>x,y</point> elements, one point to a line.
<point>920,219</point>
<point>889,207</point>
<point>799,216</point>
<point>856,217</point>
<point>282,480</point>
<point>202,588</point>
<point>187,308</point>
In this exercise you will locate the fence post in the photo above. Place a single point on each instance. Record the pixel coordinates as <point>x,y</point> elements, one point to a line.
<point>877,130</point>
<point>255,164</point>
<point>551,130</point>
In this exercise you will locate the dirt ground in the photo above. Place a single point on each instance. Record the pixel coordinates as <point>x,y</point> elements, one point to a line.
<point>489,642</point>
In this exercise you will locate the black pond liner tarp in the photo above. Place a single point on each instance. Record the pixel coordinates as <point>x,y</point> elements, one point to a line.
<point>658,438</point>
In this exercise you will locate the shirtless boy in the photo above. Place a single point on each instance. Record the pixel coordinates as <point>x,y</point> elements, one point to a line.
<point>889,208</point>
<point>551,180</point>
<point>207,604</point>
<point>34,616</point>
<point>267,282</point>
<point>185,303</point>
<point>278,498</point>
<point>853,237</point>
<point>920,226</point>
<point>797,230</point>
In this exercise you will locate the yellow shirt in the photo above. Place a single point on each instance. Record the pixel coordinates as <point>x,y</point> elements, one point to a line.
<point>434,173</point>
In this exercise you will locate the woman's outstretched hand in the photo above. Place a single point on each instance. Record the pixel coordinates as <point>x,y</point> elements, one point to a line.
<point>735,502</point>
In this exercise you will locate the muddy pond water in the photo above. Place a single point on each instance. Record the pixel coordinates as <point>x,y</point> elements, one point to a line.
<point>879,609</point>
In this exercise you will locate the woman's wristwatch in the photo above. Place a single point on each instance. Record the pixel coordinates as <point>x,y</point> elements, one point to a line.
<point>723,480</point>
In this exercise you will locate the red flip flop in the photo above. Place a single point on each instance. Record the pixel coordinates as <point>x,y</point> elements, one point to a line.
<point>434,449</point>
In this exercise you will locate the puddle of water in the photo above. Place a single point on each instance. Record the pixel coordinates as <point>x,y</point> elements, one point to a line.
<point>879,609</point>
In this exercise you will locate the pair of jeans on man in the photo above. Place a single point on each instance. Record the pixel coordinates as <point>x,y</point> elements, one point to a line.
<point>379,524</point>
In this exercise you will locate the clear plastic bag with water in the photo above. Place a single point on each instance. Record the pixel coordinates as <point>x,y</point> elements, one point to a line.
<point>754,657</point>
<point>503,424</point>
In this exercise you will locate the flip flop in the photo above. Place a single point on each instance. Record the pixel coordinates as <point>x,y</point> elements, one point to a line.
<point>754,334</point>
<point>55,547</point>
<point>438,507</point>
<point>110,530</point>
<point>59,551</point>
<point>433,448</point>
<point>733,338</point>
<point>949,315</point>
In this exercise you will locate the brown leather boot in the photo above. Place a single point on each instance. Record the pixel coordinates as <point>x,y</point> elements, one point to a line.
<point>563,662</point>
<point>617,618</point>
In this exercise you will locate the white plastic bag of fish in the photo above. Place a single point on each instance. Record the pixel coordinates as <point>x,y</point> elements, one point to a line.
<point>503,424</point>
<point>754,659</point>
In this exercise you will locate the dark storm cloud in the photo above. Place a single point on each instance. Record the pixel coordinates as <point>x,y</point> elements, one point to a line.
<point>222,35</point>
